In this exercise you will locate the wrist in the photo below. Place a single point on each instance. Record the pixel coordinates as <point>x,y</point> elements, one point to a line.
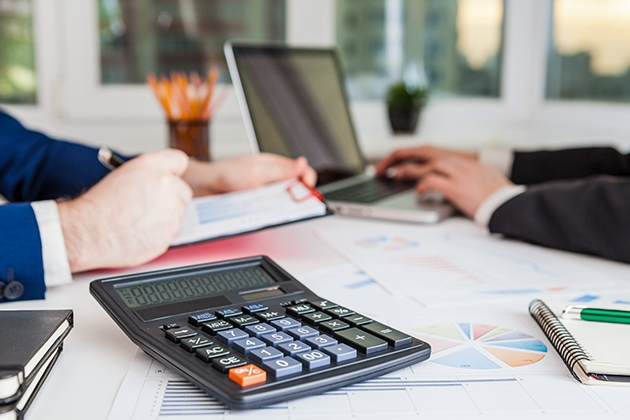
<point>76,235</point>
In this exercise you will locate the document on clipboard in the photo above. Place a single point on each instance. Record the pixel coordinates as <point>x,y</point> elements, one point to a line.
<point>229,214</point>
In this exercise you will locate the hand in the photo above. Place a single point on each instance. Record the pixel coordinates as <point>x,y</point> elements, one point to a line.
<point>130,217</point>
<point>245,172</point>
<point>414,162</point>
<point>464,182</point>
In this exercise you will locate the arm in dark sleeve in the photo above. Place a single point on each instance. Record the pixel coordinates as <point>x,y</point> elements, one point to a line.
<point>590,216</point>
<point>36,167</point>
<point>534,167</point>
<point>21,253</point>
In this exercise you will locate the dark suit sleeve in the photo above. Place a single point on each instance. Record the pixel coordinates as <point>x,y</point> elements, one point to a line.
<point>590,216</point>
<point>36,167</point>
<point>20,251</point>
<point>535,167</point>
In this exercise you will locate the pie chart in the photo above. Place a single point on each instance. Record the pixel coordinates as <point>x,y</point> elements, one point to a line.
<point>480,346</point>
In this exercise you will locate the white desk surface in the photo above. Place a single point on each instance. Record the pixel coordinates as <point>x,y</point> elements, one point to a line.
<point>97,354</point>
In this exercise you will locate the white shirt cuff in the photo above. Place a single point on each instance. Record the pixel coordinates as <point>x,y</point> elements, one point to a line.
<point>56,266</point>
<point>500,159</point>
<point>487,208</point>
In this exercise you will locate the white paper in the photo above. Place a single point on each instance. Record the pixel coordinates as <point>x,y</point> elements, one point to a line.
<point>244,211</point>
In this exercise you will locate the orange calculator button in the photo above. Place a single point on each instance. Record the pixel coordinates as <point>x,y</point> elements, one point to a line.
<point>248,375</point>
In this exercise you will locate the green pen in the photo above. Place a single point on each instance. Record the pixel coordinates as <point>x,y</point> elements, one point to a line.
<point>596,314</point>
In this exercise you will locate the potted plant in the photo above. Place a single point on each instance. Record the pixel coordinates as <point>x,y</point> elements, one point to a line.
<point>404,104</point>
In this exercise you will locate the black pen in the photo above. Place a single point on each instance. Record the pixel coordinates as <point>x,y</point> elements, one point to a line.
<point>108,159</point>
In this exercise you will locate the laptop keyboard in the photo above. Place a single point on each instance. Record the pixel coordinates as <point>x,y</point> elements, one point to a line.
<point>369,191</point>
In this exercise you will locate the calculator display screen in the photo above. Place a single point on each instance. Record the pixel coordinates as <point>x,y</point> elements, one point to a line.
<point>140,294</point>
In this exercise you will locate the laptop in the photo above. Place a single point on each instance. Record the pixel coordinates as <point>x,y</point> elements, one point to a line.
<point>294,104</point>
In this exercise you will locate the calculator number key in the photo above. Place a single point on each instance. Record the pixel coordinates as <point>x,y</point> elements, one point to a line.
<point>320,341</point>
<point>294,347</point>
<point>225,363</point>
<point>333,325</point>
<point>313,359</point>
<point>248,375</point>
<point>263,355</point>
<point>192,343</point>
<point>248,344</point>
<point>340,352</point>
<point>277,338</point>
<point>230,336</point>
<point>393,337</point>
<point>285,324</point>
<point>208,353</point>
<point>340,312</point>
<point>303,332</point>
<point>283,367</point>
<point>362,341</point>
<point>259,329</point>
<point>176,334</point>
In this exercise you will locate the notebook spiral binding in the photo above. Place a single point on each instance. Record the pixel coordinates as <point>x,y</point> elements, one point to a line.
<point>569,349</point>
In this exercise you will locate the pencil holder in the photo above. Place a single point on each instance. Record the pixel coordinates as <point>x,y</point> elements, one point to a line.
<point>192,137</point>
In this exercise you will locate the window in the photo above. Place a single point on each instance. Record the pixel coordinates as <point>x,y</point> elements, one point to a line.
<point>18,81</point>
<point>453,46</point>
<point>142,36</point>
<point>589,56</point>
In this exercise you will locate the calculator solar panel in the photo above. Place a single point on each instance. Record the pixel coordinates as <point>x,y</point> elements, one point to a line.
<point>249,333</point>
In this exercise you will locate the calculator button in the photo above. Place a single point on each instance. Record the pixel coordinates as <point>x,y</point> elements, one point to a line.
<point>270,315</point>
<point>246,345</point>
<point>225,363</point>
<point>320,341</point>
<point>361,340</point>
<point>315,318</point>
<point>357,319</point>
<point>208,353</point>
<point>341,352</point>
<point>199,319</point>
<point>248,375</point>
<point>216,326</point>
<point>254,307</point>
<point>293,348</point>
<point>340,312</point>
<point>285,324</point>
<point>333,325</point>
<point>323,304</point>
<point>283,367</point>
<point>313,359</point>
<point>262,355</point>
<point>226,313</point>
<point>299,310</point>
<point>259,329</point>
<point>169,326</point>
<point>300,333</point>
<point>298,301</point>
<point>177,334</point>
<point>192,343</point>
<point>243,320</point>
<point>274,339</point>
<point>229,336</point>
<point>393,337</point>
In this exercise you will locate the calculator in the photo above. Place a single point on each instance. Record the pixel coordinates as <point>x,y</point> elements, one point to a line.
<point>249,333</point>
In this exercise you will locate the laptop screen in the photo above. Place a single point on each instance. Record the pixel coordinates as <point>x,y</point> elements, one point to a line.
<point>298,107</point>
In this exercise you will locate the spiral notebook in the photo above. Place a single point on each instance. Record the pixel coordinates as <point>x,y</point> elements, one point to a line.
<point>594,352</point>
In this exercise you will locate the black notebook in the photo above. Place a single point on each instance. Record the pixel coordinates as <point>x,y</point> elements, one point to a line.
<point>28,340</point>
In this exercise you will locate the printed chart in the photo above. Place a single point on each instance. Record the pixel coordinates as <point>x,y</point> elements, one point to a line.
<point>479,346</point>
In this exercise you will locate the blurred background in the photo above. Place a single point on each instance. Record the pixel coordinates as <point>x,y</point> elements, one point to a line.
<point>504,73</point>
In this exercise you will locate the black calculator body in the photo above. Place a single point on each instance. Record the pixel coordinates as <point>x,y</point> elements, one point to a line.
<point>250,334</point>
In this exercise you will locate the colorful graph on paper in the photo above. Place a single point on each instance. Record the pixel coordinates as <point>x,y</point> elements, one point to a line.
<point>478,346</point>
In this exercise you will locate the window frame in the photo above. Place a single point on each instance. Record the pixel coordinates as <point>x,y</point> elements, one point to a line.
<point>69,88</point>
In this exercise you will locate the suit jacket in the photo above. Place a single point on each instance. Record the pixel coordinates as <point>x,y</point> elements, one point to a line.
<point>35,167</point>
<point>578,200</point>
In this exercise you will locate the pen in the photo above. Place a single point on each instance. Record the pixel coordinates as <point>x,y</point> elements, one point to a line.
<point>108,159</point>
<point>596,314</point>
